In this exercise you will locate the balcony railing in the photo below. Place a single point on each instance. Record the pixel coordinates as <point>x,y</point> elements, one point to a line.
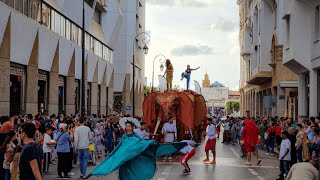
<point>49,17</point>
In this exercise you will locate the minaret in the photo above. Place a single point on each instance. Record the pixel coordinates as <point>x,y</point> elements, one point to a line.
<point>206,81</point>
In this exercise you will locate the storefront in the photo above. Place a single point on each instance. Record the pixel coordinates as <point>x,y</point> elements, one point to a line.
<point>42,91</point>
<point>17,81</point>
<point>61,94</point>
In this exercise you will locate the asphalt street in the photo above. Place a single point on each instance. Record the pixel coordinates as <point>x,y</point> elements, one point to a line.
<point>229,166</point>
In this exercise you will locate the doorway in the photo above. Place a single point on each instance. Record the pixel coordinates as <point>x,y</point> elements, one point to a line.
<point>15,94</point>
<point>42,89</point>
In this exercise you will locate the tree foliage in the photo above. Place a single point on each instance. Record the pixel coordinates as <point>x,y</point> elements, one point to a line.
<point>233,106</point>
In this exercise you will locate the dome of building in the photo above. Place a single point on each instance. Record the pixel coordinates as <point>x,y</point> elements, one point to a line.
<point>217,84</point>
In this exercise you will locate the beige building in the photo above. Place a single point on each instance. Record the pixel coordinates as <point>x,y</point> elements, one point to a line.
<point>215,94</point>
<point>267,87</point>
<point>41,55</point>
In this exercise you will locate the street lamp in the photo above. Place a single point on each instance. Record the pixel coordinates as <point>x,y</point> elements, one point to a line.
<point>145,49</point>
<point>161,66</point>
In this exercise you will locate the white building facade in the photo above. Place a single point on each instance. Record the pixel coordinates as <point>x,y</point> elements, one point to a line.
<point>302,51</point>
<point>133,23</point>
<point>267,87</point>
<point>41,55</point>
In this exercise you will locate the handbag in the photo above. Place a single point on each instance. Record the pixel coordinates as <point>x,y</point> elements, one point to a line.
<point>55,146</point>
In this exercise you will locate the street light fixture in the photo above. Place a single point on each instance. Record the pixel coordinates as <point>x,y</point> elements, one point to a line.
<point>161,66</point>
<point>145,49</point>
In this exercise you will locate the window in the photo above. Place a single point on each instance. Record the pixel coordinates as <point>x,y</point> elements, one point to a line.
<point>79,36</point>
<point>87,41</point>
<point>91,44</point>
<point>18,5</point>
<point>97,16</point>
<point>46,16</point>
<point>68,30</point>
<point>316,24</point>
<point>35,10</point>
<point>288,32</point>
<point>74,33</point>
<point>63,27</point>
<point>25,7</point>
<point>60,24</point>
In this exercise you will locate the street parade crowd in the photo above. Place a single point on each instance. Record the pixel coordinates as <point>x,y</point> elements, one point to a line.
<point>30,144</point>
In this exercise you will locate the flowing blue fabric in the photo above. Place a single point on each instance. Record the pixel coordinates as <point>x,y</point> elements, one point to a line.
<point>135,158</point>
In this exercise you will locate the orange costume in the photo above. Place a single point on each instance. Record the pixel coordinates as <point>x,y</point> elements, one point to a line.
<point>250,135</point>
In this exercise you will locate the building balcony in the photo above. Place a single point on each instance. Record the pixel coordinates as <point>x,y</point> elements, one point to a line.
<point>260,78</point>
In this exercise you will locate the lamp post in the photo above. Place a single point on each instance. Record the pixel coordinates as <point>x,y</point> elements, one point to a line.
<point>161,66</point>
<point>83,86</point>
<point>145,49</point>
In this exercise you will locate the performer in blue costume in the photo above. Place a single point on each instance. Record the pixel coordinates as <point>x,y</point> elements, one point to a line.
<point>187,75</point>
<point>135,157</point>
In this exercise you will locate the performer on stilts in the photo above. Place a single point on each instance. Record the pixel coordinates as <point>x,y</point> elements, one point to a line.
<point>187,75</point>
<point>133,154</point>
<point>169,74</point>
<point>211,142</point>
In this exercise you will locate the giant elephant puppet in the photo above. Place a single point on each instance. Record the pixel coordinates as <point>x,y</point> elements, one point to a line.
<point>188,107</point>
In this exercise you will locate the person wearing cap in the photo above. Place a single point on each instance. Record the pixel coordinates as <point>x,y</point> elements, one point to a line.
<point>63,150</point>
<point>47,148</point>
<point>211,142</point>
<point>284,155</point>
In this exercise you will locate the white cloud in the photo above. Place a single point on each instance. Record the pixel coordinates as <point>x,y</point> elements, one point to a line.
<point>192,50</point>
<point>222,24</point>
<point>178,32</point>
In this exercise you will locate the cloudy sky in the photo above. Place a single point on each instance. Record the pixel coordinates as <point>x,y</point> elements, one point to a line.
<point>197,32</point>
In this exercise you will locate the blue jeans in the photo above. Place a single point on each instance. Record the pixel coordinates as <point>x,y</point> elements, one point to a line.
<point>271,145</point>
<point>284,167</point>
<point>83,155</point>
<point>7,174</point>
<point>188,81</point>
<point>299,154</point>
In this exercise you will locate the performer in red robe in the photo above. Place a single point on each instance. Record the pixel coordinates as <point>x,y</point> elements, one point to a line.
<point>250,135</point>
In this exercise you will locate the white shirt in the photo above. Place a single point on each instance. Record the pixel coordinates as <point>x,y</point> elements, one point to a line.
<point>46,148</point>
<point>143,134</point>
<point>187,149</point>
<point>285,144</point>
<point>211,131</point>
<point>169,127</point>
<point>226,126</point>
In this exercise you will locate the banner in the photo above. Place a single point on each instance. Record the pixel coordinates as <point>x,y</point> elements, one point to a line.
<point>162,83</point>
<point>197,87</point>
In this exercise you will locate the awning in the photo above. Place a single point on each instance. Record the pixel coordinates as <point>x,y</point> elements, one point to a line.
<point>261,78</point>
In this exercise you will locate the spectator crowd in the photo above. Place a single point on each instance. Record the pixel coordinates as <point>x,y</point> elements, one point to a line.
<point>30,144</point>
<point>297,143</point>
